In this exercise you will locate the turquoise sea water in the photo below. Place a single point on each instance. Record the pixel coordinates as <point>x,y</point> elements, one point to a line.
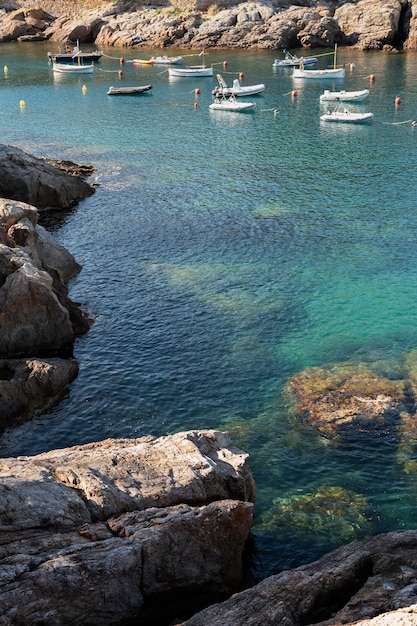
<point>222,253</point>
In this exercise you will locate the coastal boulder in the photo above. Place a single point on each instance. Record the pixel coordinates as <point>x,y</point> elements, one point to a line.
<point>123,529</point>
<point>35,310</point>
<point>28,386</point>
<point>368,25</point>
<point>34,181</point>
<point>367,583</point>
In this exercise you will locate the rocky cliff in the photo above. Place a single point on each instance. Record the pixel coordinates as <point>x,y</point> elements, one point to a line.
<point>366,24</point>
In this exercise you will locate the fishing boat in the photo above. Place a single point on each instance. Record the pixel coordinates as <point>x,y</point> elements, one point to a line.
<point>128,91</point>
<point>75,55</point>
<point>344,96</point>
<point>327,73</point>
<point>229,103</point>
<point>237,89</point>
<point>345,115</point>
<point>291,60</point>
<point>166,60</point>
<point>192,70</point>
<point>72,68</point>
<point>334,72</point>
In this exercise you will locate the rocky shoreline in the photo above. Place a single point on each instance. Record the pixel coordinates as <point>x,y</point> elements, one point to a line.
<point>264,25</point>
<point>149,531</point>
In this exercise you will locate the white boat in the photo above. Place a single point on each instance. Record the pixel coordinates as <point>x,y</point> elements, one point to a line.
<point>72,68</point>
<point>338,72</point>
<point>128,91</point>
<point>229,103</point>
<point>75,55</point>
<point>345,115</point>
<point>192,70</point>
<point>344,96</point>
<point>291,60</point>
<point>166,60</point>
<point>237,89</point>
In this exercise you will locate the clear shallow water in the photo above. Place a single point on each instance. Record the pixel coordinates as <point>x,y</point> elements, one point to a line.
<point>221,254</point>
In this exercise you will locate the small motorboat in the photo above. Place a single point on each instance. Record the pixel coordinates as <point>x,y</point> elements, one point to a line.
<point>291,60</point>
<point>229,103</point>
<point>344,96</point>
<point>75,55</point>
<point>128,91</point>
<point>73,68</point>
<point>192,70</point>
<point>345,115</point>
<point>237,89</point>
<point>166,60</point>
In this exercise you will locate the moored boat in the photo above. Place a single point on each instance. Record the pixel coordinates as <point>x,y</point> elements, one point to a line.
<point>142,62</point>
<point>345,115</point>
<point>338,72</point>
<point>72,68</point>
<point>75,55</point>
<point>291,60</point>
<point>192,70</point>
<point>128,91</point>
<point>229,103</point>
<point>166,60</point>
<point>344,96</point>
<point>237,89</point>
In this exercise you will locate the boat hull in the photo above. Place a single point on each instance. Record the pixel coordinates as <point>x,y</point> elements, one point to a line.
<point>190,72</point>
<point>317,74</point>
<point>128,91</point>
<point>347,117</point>
<point>165,60</point>
<point>237,107</point>
<point>294,62</point>
<point>68,58</point>
<point>64,68</point>
<point>344,96</point>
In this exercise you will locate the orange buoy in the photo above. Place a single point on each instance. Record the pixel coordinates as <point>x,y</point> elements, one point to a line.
<point>397,101</point>
<point>241,75</point>
<point>195,105</point>
<point>122,61</point>
<point>225,64</point>
<point>294,94</point>
<point>197,91</point>
<point>372,78</point>
<point>121,73</point>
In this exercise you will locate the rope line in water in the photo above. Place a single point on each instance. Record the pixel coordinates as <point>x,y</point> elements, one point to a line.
<point>400,123</point>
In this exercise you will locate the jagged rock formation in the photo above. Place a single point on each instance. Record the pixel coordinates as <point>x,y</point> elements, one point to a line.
<point>367,25</point>
<point>369,583</point>
<point>91,534</point>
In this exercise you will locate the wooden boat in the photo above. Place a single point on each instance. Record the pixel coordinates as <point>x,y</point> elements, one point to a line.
<point>192,70</point>
<point>237,89</point>
<point>229,103</point>
<point>344,96</point>
<point>128,91</point>
<point>72,68</point>
<point>74,56</point>
<point>345,115</point>
<point>327,73</point>
<point>334,72</point>
<point>142,62</point>
<point>291,60</point>
<point>166,60</point>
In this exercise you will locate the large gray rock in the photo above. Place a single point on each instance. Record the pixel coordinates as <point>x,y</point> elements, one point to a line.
<point>36,182</point>
<point>35,311</point>
<point>90,533</point>
<point>369,583</point>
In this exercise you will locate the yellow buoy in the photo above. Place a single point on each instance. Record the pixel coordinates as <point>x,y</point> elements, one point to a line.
<point>84,89</point>
<point>22,104</point>
<point>6,69</point>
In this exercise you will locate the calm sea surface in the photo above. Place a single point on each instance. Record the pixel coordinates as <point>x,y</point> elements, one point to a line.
<point>224,252</point>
